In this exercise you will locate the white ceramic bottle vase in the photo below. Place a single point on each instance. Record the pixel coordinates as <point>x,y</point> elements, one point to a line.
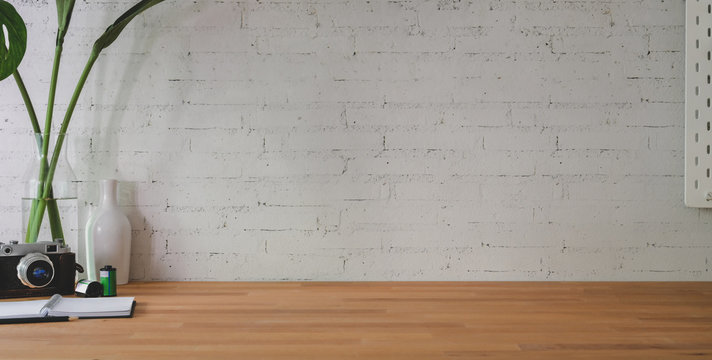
<point>108,234</point>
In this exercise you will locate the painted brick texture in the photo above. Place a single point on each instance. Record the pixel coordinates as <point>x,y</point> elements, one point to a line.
<point>379,140</point>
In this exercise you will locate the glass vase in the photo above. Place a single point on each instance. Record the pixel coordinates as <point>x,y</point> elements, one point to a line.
<point>59,209</point>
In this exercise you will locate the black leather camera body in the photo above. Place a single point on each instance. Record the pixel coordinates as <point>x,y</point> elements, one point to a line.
<point>39,269</point>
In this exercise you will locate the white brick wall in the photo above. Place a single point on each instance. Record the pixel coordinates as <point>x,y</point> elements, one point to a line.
<point>380,140</point>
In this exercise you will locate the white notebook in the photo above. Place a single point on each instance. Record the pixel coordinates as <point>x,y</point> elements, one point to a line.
<point>72,307</point>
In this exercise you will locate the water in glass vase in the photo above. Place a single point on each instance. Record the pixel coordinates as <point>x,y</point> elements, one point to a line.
<point>69,219</point>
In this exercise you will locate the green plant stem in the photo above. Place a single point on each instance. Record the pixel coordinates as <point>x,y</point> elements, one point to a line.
<point>72,104</point>
<point>50,101</point>
<point>52,212</point>
<point>35,220</point>
<point>29,232</point>
<point>68,115</point>
<point>28,102</point>
<point>38,204</point>
<point>52,209</point>
<point>55,222</point>
<point>53,215</point>
<point>48,125</point>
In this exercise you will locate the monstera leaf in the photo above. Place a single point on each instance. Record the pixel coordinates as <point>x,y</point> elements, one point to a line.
<point>13,39</point>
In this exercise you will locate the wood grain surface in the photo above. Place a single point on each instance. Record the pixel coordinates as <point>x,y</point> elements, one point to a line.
<point>386,320</point>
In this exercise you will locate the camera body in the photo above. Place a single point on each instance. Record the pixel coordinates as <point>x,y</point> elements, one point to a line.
<point>40,269</point>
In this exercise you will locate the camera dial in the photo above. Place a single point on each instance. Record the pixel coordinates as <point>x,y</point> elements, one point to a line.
<point>35,270</point>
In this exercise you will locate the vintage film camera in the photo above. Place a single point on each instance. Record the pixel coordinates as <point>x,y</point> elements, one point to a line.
<point>40,269</point>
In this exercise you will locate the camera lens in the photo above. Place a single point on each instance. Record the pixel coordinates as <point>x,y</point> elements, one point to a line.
<point>35,270</point>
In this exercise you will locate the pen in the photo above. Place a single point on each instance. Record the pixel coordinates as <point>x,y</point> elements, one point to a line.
<point>35,320</point>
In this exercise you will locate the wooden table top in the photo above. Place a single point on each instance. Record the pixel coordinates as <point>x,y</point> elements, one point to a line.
<point>385,320</point>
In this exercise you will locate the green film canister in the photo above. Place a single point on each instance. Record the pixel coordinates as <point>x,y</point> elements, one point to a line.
<point>107,276</point>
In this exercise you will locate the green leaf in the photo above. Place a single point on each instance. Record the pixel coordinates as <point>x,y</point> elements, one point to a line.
<point>11,53</point>
<point>64,15</point>
<point>113,31</point>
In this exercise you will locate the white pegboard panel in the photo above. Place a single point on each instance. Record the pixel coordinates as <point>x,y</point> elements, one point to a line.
<point>698,113</point>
